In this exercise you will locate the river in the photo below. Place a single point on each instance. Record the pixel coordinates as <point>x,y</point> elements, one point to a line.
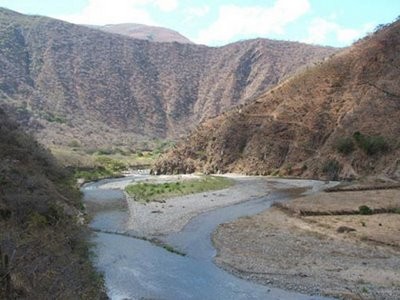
<point>137,269</point>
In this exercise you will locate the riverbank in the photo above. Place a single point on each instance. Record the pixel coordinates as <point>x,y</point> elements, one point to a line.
<point>303,246</point>
<point>158,219</point>
<point>136,269</point>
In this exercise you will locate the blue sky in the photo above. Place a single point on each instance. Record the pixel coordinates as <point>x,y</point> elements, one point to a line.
<point>327,22</point>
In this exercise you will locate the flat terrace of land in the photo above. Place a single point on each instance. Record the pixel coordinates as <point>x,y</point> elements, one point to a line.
<point>341,244</point>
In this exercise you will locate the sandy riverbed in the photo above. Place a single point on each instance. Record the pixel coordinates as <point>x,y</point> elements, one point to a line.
<point>154,218</point>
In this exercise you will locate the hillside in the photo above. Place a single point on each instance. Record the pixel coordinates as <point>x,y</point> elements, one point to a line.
<point>339,119</point>
<point>42,248</point>
<point>69,83</point>
<point>145,32</point>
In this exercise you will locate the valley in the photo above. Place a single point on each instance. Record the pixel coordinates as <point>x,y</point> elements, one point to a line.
<point>136,164</point>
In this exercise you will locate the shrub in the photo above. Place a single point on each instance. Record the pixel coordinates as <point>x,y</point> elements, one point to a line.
<point>345,145</point>
<point>74,144</point>
<point>104,152</point>
<point>38,220</point>
<point>52,118</point>
<point>331,168</point>
<point>364,210</point>
<point>358,136</point>
<point>371,144</point>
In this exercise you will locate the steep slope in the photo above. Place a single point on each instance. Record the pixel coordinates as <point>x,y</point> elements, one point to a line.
<point>42,251</point>
<point>339,119</point>
<point>145,32</point>
<point>67,82</point>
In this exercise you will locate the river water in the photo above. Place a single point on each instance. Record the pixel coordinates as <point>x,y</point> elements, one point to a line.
<point>137,269</point>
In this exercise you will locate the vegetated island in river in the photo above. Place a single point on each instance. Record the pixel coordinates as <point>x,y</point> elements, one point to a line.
<point>158,192</point>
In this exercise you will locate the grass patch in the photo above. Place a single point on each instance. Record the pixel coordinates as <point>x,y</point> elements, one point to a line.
<point>98,163</point>
<point>105,167</point>
<point>77,155</point>
<point>147,192</point>
<point>90,158</point>
<point>94,173</point>
<point>94,166</point>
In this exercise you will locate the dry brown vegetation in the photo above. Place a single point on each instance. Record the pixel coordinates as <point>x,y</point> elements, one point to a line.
<point>66,82</point>
<point>43,250</point>
<point>336,120</point>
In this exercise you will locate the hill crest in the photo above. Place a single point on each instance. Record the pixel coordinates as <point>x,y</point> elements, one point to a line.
<point>70,83</point>
<point>146,32</point>
<point>338,119</point>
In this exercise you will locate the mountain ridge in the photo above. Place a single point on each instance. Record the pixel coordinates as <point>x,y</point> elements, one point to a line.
<point>66,82</point>
<point>335,120</point>
<point>145,32</point>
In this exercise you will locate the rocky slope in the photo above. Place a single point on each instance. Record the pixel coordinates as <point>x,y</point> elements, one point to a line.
<point>43,254</point>
<point>145,32</point>
<point>67,82</point>
<point>339,119</point>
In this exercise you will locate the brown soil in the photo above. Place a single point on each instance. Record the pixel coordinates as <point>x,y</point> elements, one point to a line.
<point>346,202</point>
<point>308,254</point>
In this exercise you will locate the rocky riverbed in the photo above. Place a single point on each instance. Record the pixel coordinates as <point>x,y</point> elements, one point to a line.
<point>137,269</point>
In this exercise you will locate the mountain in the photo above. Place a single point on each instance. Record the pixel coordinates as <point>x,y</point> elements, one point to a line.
<point>43,253</point>
<point>338,119</point>
<point>66,82</point>
<point>145,32</point>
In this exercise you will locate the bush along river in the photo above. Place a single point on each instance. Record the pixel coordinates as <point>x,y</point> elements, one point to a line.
<point>135,268</point>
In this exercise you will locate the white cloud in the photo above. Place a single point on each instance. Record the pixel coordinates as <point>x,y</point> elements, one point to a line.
<point>199,11</point>
<point>166,5</point>
<point>192,14</point>
<point>321,30</point>
<point>236,20</point>
<point>100,12</point>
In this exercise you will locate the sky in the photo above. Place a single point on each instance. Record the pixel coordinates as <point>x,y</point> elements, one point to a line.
<point>335,23</point>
